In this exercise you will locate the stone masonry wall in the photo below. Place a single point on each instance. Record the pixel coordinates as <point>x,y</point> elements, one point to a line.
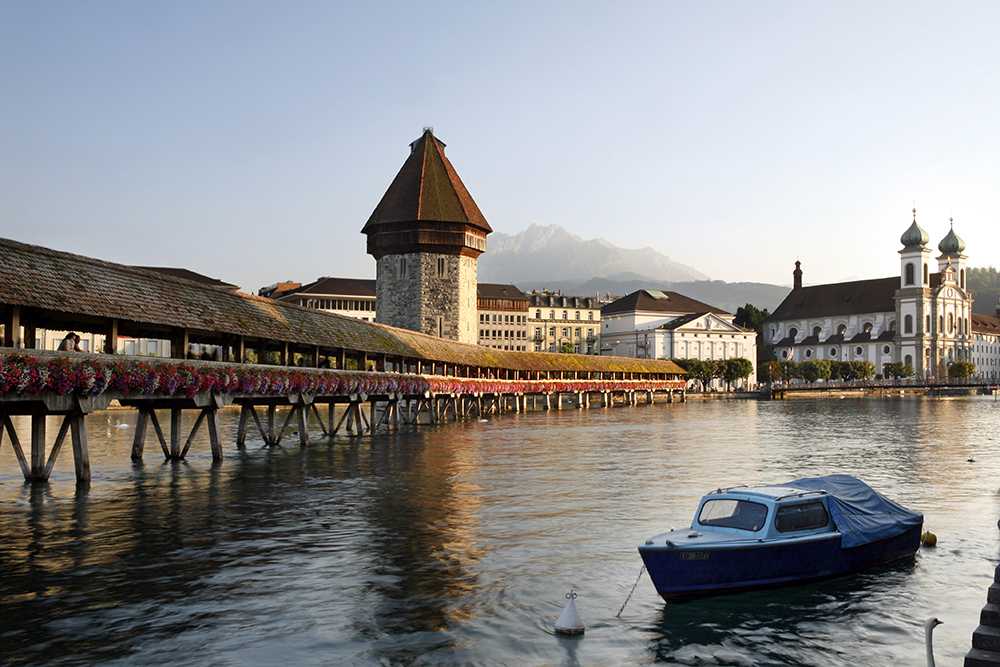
<point>422,299</point>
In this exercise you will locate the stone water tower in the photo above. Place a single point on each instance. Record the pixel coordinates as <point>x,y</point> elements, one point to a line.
<point>426,235</point>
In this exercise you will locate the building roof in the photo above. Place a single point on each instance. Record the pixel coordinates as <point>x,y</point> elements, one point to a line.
<point>544,300</point>
<point>859,296</point>
<point>337,287</point>
<point>659,301</point>
<point>178,272</point>
<point>279,288</point>
<point>427,189</point>
<point>986,324</point>
<point>84,289</point>
<point>498,291</point>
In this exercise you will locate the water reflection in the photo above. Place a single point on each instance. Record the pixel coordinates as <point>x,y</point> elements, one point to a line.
<point>455,545</point>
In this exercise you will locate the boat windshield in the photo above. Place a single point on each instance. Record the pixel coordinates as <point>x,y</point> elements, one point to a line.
<point>729,513</point>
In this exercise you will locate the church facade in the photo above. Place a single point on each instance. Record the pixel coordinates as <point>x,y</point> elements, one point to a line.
<point>921,318</point>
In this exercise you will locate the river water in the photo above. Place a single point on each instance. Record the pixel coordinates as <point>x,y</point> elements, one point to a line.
<point>455,544</point>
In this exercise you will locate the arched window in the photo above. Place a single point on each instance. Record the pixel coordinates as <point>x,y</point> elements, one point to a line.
<point>809,353</point>
<point>962,274</point>
<point>951,323</point>
<point>927,327</point>
<point>842,329</point>
<point>925,274</point>
<point>892,326</point>
<point>940,324</point>
<point>909,274</point>
<point>885,350</point>
<point>867,328</point>
<point>859,351</point>
<point>793,332</point>
<point>817,331</point>
<point>908,324</point>
<point>908,361</point>
<point>833,351</point>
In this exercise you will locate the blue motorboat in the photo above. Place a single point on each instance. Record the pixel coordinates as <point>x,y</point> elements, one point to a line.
<point>744,538</point>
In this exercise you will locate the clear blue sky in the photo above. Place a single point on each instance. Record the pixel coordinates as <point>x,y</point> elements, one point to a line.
<point>251,140</point>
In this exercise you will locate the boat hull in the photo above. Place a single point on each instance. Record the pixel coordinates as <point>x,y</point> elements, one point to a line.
<point>688,573</point>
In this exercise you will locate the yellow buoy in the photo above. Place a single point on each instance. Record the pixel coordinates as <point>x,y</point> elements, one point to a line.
<point>928,539</point>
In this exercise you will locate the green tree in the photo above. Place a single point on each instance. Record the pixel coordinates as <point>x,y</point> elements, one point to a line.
<point>771,371</point>
<point>810,372</point>
<point>566,348</point>
<point>735,370</point>
<point>961,370</point>
<point>751,317</point>
<point>824,369</point>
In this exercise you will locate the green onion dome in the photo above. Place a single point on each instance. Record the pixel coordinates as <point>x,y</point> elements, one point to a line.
<point>914,236</point>
<point>952,244</point>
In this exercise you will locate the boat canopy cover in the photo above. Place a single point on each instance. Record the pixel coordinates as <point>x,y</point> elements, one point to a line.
<point>861,514</point>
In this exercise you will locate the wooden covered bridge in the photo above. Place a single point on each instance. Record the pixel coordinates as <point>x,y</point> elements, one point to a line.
<point>366,376</point>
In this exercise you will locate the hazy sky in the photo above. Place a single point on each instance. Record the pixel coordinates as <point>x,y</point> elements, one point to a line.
<point>251,141</point>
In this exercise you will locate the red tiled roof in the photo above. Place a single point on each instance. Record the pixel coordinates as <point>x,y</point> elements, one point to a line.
<point>986,324</point>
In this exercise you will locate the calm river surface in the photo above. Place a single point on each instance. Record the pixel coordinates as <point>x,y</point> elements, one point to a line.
<point>456,544</point>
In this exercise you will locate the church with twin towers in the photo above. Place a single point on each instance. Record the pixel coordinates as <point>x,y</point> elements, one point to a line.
<point>922,317</point>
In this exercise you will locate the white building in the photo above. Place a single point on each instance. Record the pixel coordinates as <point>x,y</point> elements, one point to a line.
<point>557,323</point>
<point>351,297</point>
<point>503,317</point>
<point>655,324</point>
<point>986,345</point>
<point>919,318</point>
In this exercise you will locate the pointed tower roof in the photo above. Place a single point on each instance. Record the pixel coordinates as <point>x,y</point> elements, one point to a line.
<point>952,244</point>
<point>914,236</point>
<point>427,189</point>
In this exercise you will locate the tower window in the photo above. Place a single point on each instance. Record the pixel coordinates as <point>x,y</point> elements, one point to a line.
<point>402,267</point>
<point>441,269</point>
<point>908,324</point>
<point>909,274</point>
<point>925,275</point>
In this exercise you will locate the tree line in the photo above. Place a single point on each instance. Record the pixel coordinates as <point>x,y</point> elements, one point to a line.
<point>706,370</point>
<point>827,370</point>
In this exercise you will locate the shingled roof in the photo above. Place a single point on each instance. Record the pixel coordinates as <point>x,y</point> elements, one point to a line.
<point>500,291</point>
<point>427,189</point>
<point>190,275</point>
<point>337,286</point>
<point>87,288</point>
<point>985,324</point>
<point>859,296</point>
<point>659,301</point>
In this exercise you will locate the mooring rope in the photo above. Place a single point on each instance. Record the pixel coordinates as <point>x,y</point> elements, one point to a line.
<point>641,570</point>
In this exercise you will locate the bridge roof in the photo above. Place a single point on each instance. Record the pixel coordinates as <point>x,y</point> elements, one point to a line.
<point>50,280</point>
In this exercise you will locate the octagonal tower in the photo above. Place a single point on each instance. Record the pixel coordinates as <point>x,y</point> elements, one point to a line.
<point>426,235</point>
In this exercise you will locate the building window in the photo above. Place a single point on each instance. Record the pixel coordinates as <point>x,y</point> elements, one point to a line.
<point>577,314</point>
<point>441,269</point>
<point>402,267</point>
<point>867,328</point>
<point>909,274</point>
<point>590,315</point>
<point>833,351</point>
<point>858,351</point>
<point>809,353</point>
<point>885,350</point>
<point>927,325</point>
<point>793,332</point>
<point>908,361</point>
<point>440,326</point>
<point>565,315</point>
<point>908,324</point>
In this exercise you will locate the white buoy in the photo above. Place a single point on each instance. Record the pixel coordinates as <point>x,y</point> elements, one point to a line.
<point>569,622</point>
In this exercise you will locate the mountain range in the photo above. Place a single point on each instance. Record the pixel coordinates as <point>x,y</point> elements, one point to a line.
<point>549,257</point>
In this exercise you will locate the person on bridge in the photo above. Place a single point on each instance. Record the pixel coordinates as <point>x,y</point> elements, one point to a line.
<point>71,343</point>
